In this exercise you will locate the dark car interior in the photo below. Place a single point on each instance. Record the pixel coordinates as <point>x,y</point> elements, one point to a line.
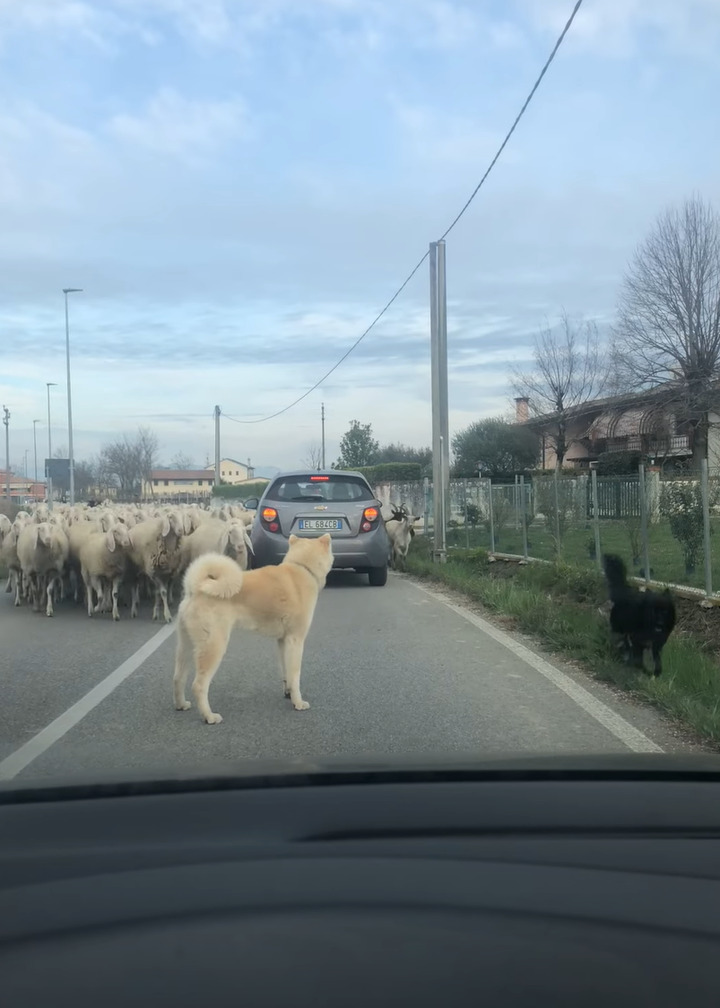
<point>565,882</point>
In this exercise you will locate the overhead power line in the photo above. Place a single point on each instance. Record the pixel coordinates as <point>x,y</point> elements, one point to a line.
<point>445,233</point>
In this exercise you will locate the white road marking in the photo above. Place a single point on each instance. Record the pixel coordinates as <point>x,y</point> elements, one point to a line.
<point>630,736</point>
<point>12,765</point>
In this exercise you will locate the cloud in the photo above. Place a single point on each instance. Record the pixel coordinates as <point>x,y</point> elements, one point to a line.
<point>619,28</point>
<point>239,188</point>
<point>442,138</point>
<point>177,127</point>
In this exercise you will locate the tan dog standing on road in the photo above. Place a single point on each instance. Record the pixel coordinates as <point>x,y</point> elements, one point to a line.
<point>277,601</point>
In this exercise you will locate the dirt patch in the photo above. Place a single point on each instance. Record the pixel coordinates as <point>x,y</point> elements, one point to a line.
<point>693,620</point>
<point>702,624</point>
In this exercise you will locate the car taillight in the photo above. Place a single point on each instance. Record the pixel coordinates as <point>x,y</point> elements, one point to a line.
<point>370,515</point>
<point>269,515</point>
<point>273,526</point>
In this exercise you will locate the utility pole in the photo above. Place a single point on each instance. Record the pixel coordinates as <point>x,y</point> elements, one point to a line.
<point>322,423</point>
<point>6,421</point>
<point>47,474</point>
<point>35,423</point>
<point>440,420</point>
<point>71,451</point>
<point>217,446</point>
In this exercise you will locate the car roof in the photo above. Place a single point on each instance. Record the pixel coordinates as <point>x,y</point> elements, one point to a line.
<point>319,472</point>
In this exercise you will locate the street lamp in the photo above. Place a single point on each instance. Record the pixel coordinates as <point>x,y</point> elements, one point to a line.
<point>35,423</point>
<point>66,291</point>
<point>49,478</point>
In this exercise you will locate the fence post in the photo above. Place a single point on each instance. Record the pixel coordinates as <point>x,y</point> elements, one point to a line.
<point>643,521</point>
<point>523,516</point>
<point>516,497</point>
<point>492,517</point>
<point>467,530</point>
<point>426,512</point>
<point>557,514</point>
<point>706,525</point>
<point>596,516</point>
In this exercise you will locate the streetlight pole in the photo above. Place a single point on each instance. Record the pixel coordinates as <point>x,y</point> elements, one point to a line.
<point>6,421</point>
<point>35,423</point>
<point>48,476</point>
<point>66,291</point>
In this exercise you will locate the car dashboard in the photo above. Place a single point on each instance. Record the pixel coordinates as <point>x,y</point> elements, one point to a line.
<point>503,886</point>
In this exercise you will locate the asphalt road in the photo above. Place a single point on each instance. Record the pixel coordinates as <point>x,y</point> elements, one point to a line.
<point>393,670</point>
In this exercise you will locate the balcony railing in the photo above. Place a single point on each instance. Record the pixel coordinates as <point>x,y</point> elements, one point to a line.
<point>676,444</point>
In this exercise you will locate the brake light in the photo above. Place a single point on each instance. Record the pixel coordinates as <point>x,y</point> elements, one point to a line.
<point>319,479</point>
<point>269,514</point>
<point>273,526</point>
<point>370,514</point>
<point>366,526</point>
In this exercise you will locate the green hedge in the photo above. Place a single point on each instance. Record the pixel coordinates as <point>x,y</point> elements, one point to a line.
<point>241,492</point>
<point>392,472</point>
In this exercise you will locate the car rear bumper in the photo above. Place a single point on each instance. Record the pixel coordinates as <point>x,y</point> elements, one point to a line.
<point>368,550</point>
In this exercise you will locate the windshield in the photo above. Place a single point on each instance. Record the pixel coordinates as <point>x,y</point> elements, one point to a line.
<point>359,384</point>
<point>319,488</point>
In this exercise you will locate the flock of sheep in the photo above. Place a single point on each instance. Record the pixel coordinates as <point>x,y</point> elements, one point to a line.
<point>141,549</point>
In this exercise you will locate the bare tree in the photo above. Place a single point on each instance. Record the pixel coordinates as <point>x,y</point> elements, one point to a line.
<point>570,369</point>
<point>181,461</point>
<point>668,331</point>
<point>130,460</point>
<point>313,457</point>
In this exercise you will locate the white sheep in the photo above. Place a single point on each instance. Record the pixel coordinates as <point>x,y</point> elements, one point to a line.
<point>155,553</point>
<point>43,551</point>
<point>217,536</point>
<point>9,557</point>
<point>104,560</point>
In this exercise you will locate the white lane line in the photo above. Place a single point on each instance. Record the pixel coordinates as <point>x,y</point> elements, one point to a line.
<point>12,765</point>
<point>630,736</point>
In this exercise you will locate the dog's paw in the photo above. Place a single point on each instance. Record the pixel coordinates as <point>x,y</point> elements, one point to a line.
<point>301,705</point>
<point>185,705</point>
<point>213,719</point>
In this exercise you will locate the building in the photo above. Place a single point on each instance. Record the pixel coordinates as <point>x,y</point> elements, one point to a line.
<point>642,422</point>
<point>234,472</point>
<point>23,489</point>
<point>179,482</point>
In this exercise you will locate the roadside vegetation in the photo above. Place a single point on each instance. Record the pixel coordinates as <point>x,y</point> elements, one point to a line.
<point>562,606</point>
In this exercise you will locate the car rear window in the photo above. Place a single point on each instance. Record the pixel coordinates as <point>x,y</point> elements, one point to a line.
<point>314,488</point>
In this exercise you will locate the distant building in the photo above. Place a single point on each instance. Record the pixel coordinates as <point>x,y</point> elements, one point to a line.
<point>234,472</point>
<point>171,482</point>
<point>23,489</point>
<point>644,422</point>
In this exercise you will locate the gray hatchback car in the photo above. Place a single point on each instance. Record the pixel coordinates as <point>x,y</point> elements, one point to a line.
<point>306,503</point>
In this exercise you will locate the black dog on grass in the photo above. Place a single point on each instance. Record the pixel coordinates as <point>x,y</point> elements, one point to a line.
<point>642,620</point>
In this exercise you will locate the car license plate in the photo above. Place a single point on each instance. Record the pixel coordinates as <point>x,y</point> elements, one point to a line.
<point>319,524</point>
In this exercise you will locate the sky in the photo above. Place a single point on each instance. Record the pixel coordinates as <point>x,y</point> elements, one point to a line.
<point>239,186</point>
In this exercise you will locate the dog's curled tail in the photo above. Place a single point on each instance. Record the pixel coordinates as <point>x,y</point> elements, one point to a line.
<point>213,574</point>
<point>615,571</point>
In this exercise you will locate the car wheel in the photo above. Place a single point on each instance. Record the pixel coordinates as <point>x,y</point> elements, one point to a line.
<point>377,576</point>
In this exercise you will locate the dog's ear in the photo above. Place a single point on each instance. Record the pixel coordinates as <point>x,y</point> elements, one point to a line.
<point>292,539</point>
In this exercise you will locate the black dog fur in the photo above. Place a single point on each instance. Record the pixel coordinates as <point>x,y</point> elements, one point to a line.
<point>642,620</point>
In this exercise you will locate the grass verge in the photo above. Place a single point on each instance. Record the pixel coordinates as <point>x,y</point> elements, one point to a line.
<point>558,604</point>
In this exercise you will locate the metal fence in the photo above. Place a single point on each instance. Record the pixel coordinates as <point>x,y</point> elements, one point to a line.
<point>666,528</point>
